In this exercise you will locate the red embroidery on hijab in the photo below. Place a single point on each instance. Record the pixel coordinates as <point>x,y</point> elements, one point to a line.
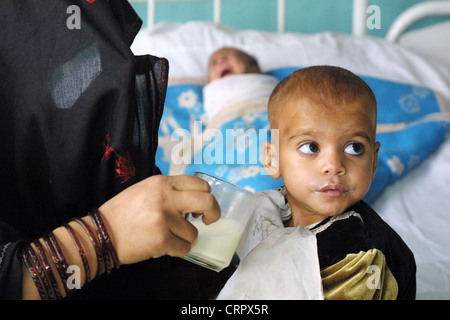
<point>108,150</point>
<point>125,167</point>
<point>124,164</point>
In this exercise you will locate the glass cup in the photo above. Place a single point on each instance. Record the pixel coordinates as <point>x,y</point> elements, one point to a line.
<point>216,243</point>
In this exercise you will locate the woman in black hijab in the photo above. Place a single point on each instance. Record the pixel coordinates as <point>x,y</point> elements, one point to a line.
<point>79,122</point>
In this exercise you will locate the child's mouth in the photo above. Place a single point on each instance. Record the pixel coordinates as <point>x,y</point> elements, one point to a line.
<point>334,190</point>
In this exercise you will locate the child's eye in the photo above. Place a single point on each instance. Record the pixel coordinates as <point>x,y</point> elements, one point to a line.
<point>354,148</point>
<point>309,148</point>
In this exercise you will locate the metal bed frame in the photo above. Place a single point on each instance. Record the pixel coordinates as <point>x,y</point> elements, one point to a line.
<point>359,15</point>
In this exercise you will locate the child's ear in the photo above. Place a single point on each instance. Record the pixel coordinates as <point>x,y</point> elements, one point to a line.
<point>270,160</point>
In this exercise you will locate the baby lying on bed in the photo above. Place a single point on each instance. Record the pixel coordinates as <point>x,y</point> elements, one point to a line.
<point>234,76</point>
<point>315,238</point>
<point>235,105</point>
<point>229,61</point>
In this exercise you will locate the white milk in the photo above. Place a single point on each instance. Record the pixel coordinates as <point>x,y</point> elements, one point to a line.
<point>217,242</point>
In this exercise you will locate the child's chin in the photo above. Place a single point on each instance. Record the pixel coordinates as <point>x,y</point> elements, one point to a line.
<point>333,211</point>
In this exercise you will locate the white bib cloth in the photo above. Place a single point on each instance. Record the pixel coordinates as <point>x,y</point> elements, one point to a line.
<point>276,262</point>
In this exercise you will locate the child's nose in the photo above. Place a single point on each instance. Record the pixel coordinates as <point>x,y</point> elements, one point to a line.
<point>333,164</point>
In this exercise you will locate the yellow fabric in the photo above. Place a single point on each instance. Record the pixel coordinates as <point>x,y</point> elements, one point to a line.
<point>362,276</point>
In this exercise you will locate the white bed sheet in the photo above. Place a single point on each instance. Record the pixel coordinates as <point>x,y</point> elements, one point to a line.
<point>417,206</point>
<point>432,42</point>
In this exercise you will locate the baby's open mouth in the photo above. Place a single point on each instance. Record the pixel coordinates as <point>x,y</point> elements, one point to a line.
<point>226,72</point>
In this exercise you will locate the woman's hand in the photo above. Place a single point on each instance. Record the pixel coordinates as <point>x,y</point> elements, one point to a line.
<point>146,220</point>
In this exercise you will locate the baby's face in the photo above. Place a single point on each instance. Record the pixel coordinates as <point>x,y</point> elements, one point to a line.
<point>327,157</point>
<point>225,62</point>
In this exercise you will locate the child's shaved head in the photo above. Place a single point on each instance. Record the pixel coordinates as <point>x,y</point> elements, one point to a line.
<point>326,86</point>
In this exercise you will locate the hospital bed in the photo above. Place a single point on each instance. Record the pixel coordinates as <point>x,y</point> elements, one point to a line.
<point>409,72</point>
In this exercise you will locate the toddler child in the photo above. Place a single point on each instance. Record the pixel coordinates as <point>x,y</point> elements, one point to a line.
<point>326,154</point>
